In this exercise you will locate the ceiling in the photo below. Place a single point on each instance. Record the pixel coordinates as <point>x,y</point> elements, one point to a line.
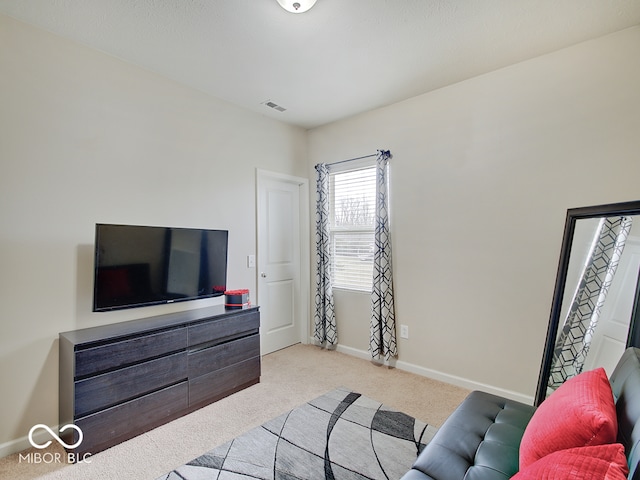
<point>340,58</point>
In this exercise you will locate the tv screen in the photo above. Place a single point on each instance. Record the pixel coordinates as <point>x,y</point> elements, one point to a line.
<point>137,266</point>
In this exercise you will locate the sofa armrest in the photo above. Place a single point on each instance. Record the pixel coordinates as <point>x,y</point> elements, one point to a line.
<point>480,439</point>
<point>625,384</point>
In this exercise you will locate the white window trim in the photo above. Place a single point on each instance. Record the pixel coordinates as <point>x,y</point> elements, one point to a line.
<point>345,167</point>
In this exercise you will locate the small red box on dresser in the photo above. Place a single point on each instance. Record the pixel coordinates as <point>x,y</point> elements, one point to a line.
<point>237,298</point>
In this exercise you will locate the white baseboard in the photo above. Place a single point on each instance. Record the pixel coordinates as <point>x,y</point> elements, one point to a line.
<point>442,377</point>
<point>22,443</point>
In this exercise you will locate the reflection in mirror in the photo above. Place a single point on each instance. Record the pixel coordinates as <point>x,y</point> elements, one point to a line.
<point>581,340</point>
<point>595,295</point>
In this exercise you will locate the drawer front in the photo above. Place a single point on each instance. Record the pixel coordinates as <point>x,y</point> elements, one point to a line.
<point>114,425</point>
<point>215,385</point>
<point>224,355</point>
<point>224,328</point>
<point>117,354</point>
<point>110,388</point>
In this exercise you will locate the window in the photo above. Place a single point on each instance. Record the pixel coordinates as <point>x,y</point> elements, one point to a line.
<point>353,196</point>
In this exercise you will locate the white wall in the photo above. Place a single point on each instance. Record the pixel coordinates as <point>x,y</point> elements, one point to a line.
<point>482,174</point>
<point>87,138</point>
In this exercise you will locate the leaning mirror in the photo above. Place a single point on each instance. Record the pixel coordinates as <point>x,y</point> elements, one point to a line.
<point>596,296</point>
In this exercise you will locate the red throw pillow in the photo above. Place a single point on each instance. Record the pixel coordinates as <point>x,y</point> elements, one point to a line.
<point>602,462</point>
<point>581,412</point>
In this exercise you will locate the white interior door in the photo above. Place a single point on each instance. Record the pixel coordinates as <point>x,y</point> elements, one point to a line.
<point>282,260</point>
<point>610,336</point>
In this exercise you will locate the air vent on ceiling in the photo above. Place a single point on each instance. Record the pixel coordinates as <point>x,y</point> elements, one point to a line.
<point>273,105</point>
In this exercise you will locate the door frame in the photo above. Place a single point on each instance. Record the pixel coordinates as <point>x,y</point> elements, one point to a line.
<point>305,249</point>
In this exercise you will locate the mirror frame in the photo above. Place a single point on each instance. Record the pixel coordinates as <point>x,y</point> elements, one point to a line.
<point>573,215</point>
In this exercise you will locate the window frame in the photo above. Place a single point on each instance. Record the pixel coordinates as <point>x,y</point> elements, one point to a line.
<point>361,164</point>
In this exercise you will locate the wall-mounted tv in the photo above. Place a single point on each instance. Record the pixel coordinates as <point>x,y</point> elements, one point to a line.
<point>137,266</point>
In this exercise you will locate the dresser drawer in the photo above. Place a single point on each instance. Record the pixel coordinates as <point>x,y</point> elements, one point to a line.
<point>110,388</point>
<point>221,356</point>
<point>215,385</point>
<point>219,330</point>
<point>132,418</point>
<point>114,355</point>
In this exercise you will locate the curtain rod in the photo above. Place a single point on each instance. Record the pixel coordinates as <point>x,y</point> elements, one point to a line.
<point>360,158</point>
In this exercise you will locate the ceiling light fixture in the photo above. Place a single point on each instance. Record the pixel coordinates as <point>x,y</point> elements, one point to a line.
<point>296,6</point>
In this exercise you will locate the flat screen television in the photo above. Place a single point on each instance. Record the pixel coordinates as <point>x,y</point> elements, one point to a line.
<point>136,266</point>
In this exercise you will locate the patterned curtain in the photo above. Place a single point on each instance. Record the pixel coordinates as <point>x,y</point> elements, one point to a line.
<point>574,340</point>
<point>383,324</point>
<point>325,321</point>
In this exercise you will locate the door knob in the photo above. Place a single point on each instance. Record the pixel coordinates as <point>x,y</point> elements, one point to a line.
<point>263,275</point>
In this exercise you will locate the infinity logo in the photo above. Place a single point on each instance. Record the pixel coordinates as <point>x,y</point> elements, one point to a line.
<point>58,439</point>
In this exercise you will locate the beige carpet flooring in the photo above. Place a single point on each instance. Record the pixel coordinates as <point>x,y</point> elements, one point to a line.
<point>290,377</point>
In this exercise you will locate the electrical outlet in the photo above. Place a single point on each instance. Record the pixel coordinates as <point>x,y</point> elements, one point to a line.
<point>404,331</point>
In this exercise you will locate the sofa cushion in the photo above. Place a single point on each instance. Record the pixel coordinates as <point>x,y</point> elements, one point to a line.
<point>479,441</point>
<point>581,412</point>
<point>601,462</point>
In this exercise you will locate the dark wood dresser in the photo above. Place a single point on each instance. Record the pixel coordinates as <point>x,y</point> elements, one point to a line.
<point>123,379</point>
